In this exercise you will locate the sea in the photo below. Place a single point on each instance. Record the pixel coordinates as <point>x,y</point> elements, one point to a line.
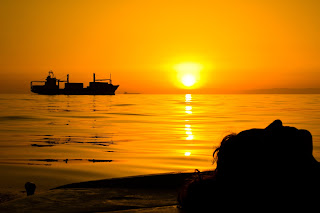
<point>58,139</point>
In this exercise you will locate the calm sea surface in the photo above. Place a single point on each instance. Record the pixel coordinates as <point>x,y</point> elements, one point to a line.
<point>55,140</point>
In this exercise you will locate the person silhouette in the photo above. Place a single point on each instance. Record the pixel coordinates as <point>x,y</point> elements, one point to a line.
<point>269,168</point>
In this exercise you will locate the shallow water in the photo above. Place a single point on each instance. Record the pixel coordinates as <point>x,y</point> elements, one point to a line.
<point>55,140</point>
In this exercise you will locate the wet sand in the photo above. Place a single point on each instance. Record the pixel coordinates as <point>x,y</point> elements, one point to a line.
<point>151,193</point>
<point>6,196</point>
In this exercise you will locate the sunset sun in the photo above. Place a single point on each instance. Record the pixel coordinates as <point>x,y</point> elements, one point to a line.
<point>188,73</point>
<point>188,80</point>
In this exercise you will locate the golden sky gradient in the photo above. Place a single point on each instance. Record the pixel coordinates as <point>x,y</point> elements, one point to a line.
<point>238,45</point>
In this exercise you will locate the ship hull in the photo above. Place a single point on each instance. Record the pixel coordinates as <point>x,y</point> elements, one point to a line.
<point>84,91</point>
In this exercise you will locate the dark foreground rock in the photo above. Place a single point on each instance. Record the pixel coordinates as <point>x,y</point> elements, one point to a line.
<point>153,193</point>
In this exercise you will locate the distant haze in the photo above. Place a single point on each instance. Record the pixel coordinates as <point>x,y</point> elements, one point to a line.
<point>242,46</point>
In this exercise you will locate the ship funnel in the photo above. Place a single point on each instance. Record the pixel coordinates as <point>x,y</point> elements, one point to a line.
<point>94,77</point>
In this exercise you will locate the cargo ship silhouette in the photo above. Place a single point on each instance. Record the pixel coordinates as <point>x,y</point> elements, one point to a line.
<point>51,87</point>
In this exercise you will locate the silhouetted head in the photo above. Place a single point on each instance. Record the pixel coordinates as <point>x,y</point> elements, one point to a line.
<point>265,166</point>
<point>259,153</point>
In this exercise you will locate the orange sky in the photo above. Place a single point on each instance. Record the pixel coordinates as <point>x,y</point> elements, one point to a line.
<point>240,45</point>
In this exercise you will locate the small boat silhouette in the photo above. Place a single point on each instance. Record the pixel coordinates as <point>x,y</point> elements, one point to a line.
<point>51,87</point>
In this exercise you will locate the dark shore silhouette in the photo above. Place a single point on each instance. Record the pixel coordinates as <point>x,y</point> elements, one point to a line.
<point>271,168</point>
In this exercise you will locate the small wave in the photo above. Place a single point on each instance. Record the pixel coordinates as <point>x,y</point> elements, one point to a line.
<point>26,99</point>
<point>80,116</point>
<point>96,136</point>
<point>40,145</point>
<point>16,117</point>
<point>98,161</point>
<point>69,160</point>
<point>135,114</point>
<point>123,104</point>
<point>46,160</point>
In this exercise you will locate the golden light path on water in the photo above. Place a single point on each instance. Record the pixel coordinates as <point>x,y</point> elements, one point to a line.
<point>188,128</point>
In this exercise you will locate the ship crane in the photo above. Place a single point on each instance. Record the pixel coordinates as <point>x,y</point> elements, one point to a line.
<point>67,81</point>
<point>109,79</point>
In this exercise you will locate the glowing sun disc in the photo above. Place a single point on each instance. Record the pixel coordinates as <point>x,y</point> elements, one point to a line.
<point>188,80</point>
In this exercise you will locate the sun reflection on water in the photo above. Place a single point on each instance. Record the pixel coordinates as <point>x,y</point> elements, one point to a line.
<point>190,137</point>
<point>188,98</point>
<point>189,108</point>
<point>188,127</point>
<point>187,153</point>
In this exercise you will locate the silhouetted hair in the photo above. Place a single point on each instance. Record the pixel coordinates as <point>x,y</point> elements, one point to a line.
<point>257,167</point>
